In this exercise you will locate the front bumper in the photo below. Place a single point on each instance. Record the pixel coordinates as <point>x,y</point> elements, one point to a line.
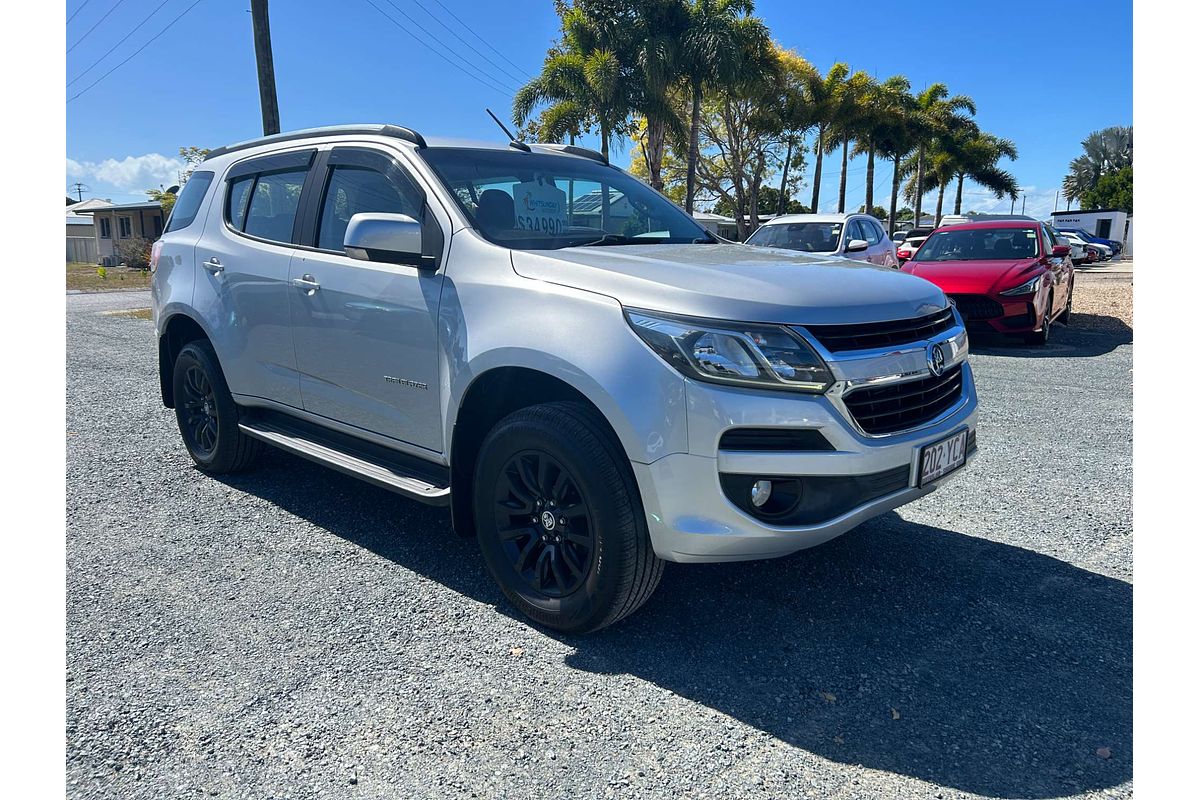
<point>690,517</point>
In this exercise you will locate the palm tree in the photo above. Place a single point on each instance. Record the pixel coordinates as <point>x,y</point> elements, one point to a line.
<point>1104,151</point>
<point>935,114</point>
<point>654,34</point>
<point>583,81</point>
<point>881,107</point>
<point>978,159</point>
<point>722,46</point>
<point>823,94</point>
<point>847,121</point>
<point>789,110</point>
<point>895,135</point>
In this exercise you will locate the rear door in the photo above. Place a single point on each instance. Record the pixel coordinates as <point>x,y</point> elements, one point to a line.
<point>366,339</point>
<point>242,285</point>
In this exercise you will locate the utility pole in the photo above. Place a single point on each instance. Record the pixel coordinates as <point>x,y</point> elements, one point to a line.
<point>1056,201</point>
<point>1013,207</point>
<point>266,67</point>
<point>1022,204</point>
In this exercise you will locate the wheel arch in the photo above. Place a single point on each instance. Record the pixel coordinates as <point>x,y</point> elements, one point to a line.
<point>177,329</point>
<point>491,396</point>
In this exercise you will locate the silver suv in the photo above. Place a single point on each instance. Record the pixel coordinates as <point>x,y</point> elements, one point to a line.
<point>591,382</point>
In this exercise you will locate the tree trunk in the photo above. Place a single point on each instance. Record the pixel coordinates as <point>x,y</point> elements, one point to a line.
<point>783,181</point>
<point>937,214</point>
<point>842,180</point>
<point>655,147</point>
<point>870,201</point>
<point>920,185</point>
<point>816,195</point>
<point>693,151</point>
<point>958,196</point>
<point>895,195</point>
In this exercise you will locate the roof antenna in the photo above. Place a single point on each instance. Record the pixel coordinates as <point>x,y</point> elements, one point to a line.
<point>512,141</point>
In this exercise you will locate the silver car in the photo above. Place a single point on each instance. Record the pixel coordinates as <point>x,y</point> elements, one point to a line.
<point>856,236</point>
<point>524,333</point>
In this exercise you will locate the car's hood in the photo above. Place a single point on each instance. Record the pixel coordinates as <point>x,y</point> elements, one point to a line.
<point>736,282</point>
<point>975,277</point>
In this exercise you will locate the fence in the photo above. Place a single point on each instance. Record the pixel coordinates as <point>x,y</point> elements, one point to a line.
<point>82,249</point>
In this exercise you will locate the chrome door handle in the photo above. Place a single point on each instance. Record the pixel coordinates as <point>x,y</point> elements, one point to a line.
<point>213,265</point>
<point>306,282</point>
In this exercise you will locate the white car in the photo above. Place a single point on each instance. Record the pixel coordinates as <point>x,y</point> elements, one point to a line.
<point>856,236</point>
<point>1078,251</point>
<point>912,242</point>
<point>1101,252</point>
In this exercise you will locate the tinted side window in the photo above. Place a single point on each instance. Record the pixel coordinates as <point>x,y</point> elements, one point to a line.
<point>273,203</point>
<point>352,190</point>
<point>238,200</point>
<point>871,232</point>
<point>187,205</point>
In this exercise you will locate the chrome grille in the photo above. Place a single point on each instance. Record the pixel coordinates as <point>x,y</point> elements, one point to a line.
<point>870,335</point>
<point>901,406</point>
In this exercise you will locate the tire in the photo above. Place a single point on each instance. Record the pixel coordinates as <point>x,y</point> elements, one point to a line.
<point>559,519</point>
<point>1039,338</point>
<point>207,415</point>
<point>1065,316</point>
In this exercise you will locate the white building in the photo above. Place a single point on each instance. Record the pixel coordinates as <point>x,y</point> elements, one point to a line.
<point>1107,223</point>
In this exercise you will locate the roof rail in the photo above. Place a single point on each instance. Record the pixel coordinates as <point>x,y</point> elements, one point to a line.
<point>407,134</point>
<point>575,151</point>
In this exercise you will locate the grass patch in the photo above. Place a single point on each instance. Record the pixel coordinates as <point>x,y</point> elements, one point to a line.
<point>129,313</point>
<point>90,278</point>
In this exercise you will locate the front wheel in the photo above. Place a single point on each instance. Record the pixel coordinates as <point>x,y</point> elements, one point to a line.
<point>1038,338</point>
<point>559,520</point>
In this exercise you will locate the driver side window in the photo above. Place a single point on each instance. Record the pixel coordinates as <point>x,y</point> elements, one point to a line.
<point>353,189</point>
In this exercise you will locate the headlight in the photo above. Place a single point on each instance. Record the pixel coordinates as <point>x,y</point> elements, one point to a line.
<point>1028,287</point>
<point>769,356</point>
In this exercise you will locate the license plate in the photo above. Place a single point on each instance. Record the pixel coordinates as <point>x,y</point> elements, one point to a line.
<point>941,458</point>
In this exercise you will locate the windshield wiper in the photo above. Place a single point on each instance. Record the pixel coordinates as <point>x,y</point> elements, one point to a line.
<point>609,239</point>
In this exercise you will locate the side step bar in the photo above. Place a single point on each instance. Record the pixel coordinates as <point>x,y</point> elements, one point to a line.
<point>363,460</point>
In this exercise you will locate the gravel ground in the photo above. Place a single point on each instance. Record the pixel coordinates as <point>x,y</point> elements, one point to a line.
<point>295,633</point>
<point>1103,302</point>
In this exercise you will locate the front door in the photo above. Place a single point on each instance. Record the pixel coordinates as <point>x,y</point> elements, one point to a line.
<point>366,338</point>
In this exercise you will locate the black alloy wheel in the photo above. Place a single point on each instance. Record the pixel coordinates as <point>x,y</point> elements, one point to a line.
<point>543,524</point>
<point>198,404</point>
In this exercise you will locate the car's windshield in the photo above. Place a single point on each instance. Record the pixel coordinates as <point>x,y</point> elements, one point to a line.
<point>980,244</point>
<point>811,237</point>
<point>543,201</point>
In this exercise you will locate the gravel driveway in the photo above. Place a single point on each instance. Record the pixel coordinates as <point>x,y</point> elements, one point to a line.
<point>295,633</point>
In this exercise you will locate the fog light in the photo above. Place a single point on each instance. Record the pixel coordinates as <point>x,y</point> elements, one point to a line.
<point>760,493</point>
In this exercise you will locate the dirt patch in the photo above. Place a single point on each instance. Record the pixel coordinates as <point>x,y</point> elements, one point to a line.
<point>91,278</point>
<point>129,313</point>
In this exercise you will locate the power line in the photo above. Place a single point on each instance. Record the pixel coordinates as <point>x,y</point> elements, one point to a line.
<point>480,38</point>
<point>118,44</point>
<point>430,34</point>
<point>76,14</point>
<point>473,49</point>
<point>438,53</point>
<point>135,52</point>
<point>89,30</point>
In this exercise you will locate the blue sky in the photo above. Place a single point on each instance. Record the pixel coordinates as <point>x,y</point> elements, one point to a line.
<point>1042,74</point>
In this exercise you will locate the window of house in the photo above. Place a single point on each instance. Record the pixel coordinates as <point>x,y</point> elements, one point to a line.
<point>105,228</point>
<point>125,226</point>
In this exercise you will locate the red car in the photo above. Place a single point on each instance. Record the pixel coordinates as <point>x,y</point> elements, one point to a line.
<point>1004,276</point>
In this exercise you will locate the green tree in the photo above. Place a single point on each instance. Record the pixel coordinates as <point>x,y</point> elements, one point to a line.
<point>823,94</point>
<point>1114,190</point>
<point>878,212</point>
<point>849,120</point>
<point>583,81</point>
<point>882,114</point>
<point>978,160</point>
<point>722,46</point>
<point>1104,152</point>
<point>935,114</point>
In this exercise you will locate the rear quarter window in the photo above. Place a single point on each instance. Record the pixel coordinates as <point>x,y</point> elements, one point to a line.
<point>187,205</point>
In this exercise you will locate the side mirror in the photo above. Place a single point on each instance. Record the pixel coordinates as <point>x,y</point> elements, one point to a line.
<point>1060,250</point>
<point>856,245</point>
<point>388,238</point>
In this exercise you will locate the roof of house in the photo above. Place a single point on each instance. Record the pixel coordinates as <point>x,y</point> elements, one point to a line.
<point>94,202</point>
<point>150,205</point>
<point>709,216</point>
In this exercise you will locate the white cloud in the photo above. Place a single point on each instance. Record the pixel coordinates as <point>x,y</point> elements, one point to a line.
<point>131,173</point>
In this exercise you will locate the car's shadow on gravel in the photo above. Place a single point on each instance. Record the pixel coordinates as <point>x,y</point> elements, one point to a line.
<point>1082,339</point>
<point>961,661</point>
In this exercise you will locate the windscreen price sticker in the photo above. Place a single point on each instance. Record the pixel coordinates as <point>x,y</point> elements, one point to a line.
<point>541,206</point>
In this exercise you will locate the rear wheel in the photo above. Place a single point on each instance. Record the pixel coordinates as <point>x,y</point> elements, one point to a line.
<point>207,415</point>
<point>559,520</point>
